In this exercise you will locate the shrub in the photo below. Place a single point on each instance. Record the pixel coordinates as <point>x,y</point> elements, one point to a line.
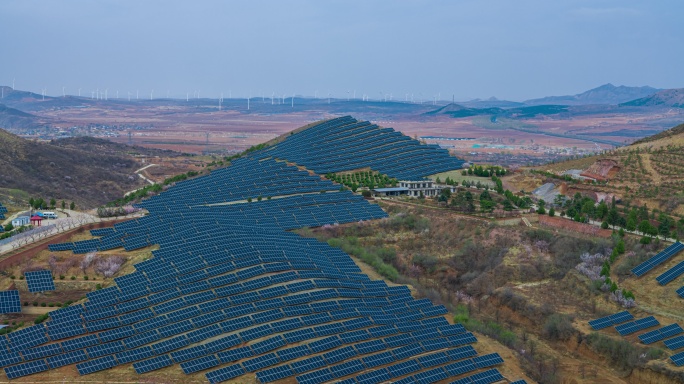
<point>35,303</point>
<point>13,277</point>
<point>621,353</point>
<point>21,277</point>
<point>51,305</point>
<point>85,277</point>
<point>645,240</point>
<point>558,327</point>
<point>61,277</point>
<point>73,277</point>
<point>41,318</point>
<point>98,287</point>
<point>26,303</point>
<point>43,304</point>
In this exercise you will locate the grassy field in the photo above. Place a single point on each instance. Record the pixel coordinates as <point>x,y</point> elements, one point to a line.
<point>456,175</point>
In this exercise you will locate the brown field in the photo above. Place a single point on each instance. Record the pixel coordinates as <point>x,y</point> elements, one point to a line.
<point>185,128</point>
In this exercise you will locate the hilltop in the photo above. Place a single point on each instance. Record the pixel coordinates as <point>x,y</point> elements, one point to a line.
<point>605,94</point>
<point>86,174</point>
<point>673,98</point>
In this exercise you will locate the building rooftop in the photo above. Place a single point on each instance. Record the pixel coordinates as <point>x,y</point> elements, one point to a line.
<point>395,189</point>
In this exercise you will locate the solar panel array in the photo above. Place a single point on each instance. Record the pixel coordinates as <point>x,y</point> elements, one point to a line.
<point>637,325</point>
<point>345,144</point>
<point>3,210</point>
<point>678,359</point>
<point>614,319</point>
<point>680,292</point>
<point>675,342</point>
<point>671,274</point>
<point>660,334</point>
<point>658,259</point>
<point>230,290</point>
<point>39,281</point>
<point>9,302</point>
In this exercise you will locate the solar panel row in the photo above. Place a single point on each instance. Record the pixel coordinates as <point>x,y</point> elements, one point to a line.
<point>658,259</point>
<point>39,281</point>
<point>635,326</point>
<point>660,334</point>
<point>671,274</point>
<point>614,319</point>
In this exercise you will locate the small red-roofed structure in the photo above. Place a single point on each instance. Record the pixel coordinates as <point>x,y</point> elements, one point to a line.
<point>36,220</point>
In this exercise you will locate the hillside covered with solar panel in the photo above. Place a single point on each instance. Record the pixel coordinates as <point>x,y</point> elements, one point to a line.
<point>231,291</point>
<point>345,144</point>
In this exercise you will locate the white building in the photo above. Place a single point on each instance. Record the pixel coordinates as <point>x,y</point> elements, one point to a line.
<point>414,188</point>
<point>20,221</point>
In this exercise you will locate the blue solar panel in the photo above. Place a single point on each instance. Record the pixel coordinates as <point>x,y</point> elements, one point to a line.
<point>9,302</point>
<point>66,359</point>
<point>26,369</point>
<point>658,259</point>
<point>671,274</point>
<point>28,337</point>
<point>136,354</point>
<point>678,359</point>
<point>200,364</point>
<point>634,326</point>
<point>96,365</point>
<point>225,373</point>
<point>152,364</point>
<point>40,281</point>
<point>675,342</point>
<point>274,374</point>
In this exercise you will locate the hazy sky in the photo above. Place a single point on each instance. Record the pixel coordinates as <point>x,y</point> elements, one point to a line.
<point>473,48</point>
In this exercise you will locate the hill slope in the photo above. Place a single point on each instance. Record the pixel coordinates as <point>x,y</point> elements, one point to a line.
<point>87,175</point>
<point>14,118</point>
<point>605,94</point>
<point>649,171</point>
<point>673,98</point>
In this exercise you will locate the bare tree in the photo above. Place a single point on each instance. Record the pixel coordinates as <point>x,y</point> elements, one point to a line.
<point>109,266</point>
<point>87,260</point>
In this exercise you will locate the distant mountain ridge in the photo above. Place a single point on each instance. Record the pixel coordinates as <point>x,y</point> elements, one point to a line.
<point>14,118</point>
<point>673,98</point>
<point>605,94</point>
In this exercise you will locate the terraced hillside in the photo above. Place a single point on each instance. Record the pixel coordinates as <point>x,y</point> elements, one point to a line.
<point>231,293</point>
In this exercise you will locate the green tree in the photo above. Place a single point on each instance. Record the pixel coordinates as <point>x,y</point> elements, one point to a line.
<point>601,210</point>
<point>541,210</point>
<point>631,223</point>
<point>72,206</point>
<point>645,227</point>
<point>63,204</point>
<point>664,228</point>
<point>559,200</point>
<point>552,212</point>
<point>53,203</point>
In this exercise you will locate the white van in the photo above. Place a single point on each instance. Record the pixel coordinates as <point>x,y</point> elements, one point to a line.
<point>49,215</point>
